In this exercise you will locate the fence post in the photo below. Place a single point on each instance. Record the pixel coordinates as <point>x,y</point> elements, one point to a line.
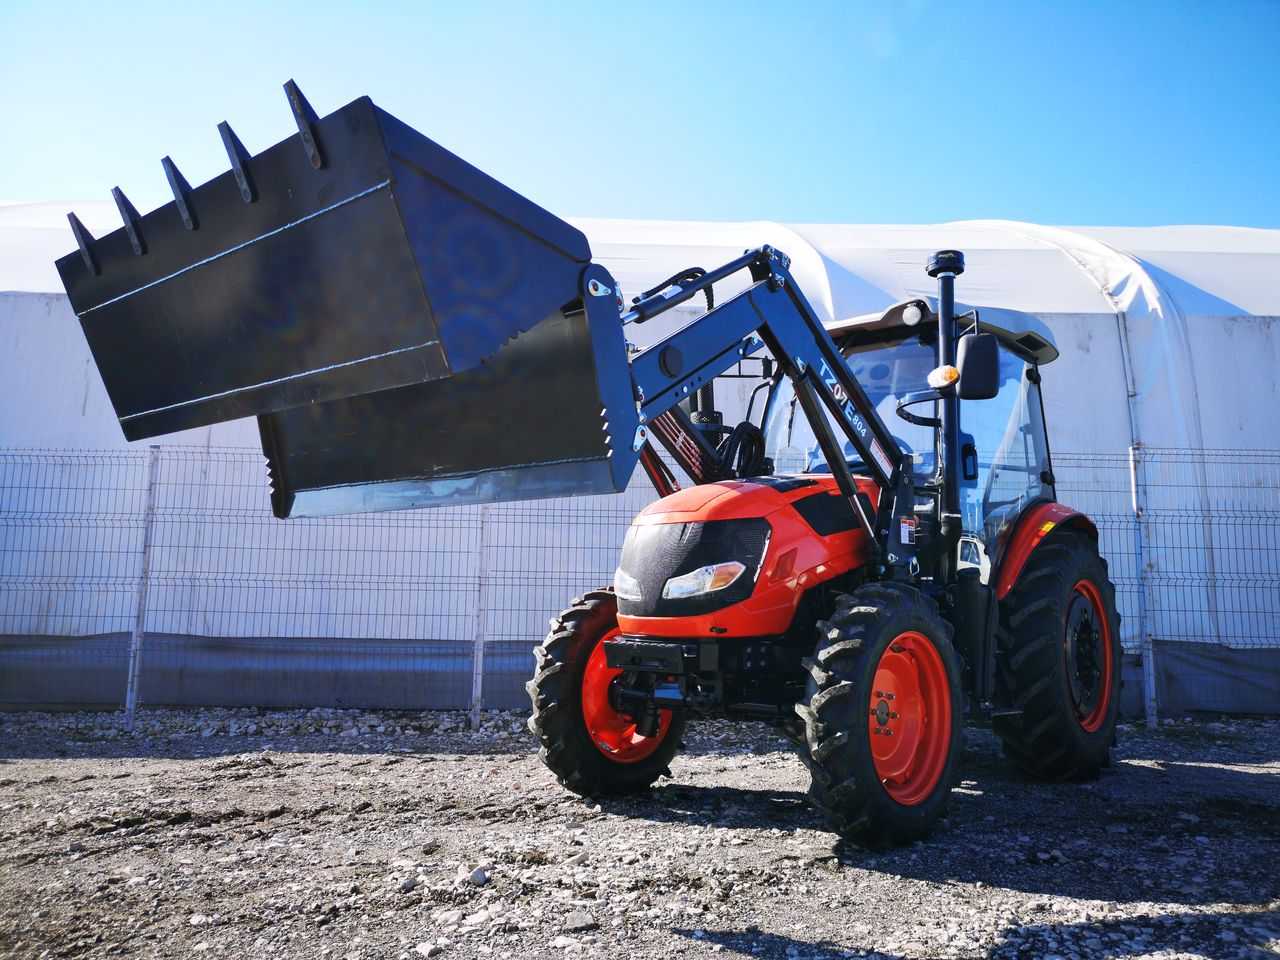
<point>1150,705</point>
<point>482,591</point>
<point>144,579</point>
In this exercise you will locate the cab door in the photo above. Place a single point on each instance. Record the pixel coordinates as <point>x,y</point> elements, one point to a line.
<point>1006,465</point>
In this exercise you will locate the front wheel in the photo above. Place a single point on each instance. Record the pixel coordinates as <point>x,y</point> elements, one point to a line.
<point>882,715</point>
<point>592,747</point>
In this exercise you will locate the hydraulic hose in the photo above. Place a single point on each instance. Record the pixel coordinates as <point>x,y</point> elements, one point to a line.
<point>742,453</point>
<point>689,273</point>
<point>702,405</point>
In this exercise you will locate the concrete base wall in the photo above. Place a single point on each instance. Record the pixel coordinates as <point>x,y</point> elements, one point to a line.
<point>91,672</point>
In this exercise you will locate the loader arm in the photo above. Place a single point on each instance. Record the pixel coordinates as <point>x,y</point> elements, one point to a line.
<point>774,313</point>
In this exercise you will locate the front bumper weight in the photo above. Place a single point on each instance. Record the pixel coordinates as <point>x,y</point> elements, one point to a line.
<point>649,656</point>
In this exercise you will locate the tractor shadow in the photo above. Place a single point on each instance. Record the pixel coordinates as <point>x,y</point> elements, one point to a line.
<point>1171,821</point>
<point>1238,935</point>
<point>759,943</point>
<point>1162,824</point>
<point>722,806</point>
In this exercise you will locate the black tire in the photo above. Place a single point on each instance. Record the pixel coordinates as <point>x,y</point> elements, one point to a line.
<point>1051,739</point>
<point>556,695</point>
<point>839,724</point>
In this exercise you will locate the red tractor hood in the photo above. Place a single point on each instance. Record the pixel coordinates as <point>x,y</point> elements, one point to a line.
<point>813,538</point>
<point>740,499</point>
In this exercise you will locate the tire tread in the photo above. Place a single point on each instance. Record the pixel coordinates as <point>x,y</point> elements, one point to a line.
<point>1040,739</point>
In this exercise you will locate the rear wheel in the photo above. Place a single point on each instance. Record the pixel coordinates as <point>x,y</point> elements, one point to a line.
<point>1058,661</point>
<point>882,715</point>
<point>590,745</point>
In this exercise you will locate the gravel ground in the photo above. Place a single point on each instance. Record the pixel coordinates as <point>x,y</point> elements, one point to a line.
<point>333,834</point>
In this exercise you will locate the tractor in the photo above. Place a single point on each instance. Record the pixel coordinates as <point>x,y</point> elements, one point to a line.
<point>874,559</point>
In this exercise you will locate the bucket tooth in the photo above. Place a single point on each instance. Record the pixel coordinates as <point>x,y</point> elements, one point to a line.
<point>239,158</point>
<point>181,192</point>
<point>306,119</point>
<point>83,239</point>
<point>129,214</point>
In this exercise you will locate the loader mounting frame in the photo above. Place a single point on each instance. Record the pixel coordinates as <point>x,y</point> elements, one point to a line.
<point>773,313</point>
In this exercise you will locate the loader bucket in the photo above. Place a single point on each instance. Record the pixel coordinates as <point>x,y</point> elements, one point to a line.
<point>408,330</point>
<point>281,283</point>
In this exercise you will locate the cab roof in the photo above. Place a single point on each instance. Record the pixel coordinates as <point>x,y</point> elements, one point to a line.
<point>1023,334</point>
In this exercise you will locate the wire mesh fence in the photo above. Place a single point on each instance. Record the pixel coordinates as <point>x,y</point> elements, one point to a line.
<point>173,552</point>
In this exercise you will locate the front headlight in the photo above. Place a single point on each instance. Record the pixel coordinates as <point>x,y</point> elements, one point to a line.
<point>703,580</point>
<point>626,586</point>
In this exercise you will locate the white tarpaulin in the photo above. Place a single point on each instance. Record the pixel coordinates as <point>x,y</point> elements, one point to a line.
<point>1158,326</point>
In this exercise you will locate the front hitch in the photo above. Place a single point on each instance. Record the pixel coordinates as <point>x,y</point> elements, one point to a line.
<point>643,703</point>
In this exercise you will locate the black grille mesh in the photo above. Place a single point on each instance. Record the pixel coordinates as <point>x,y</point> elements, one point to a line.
<point>654,553</point>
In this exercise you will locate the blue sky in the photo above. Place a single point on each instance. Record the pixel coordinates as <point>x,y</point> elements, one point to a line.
<point>1065,113</point>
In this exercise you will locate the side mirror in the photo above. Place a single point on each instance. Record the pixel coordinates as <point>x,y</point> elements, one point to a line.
<point>978,360</point>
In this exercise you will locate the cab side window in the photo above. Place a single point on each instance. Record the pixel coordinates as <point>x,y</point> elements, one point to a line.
<point>1013,454</point>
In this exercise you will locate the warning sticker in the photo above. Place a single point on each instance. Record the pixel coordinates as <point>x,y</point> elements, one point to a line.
<point>877,454</point>
<point>907,531</point>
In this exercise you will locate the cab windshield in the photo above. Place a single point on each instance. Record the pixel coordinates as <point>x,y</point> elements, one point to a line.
<point>887,370</point>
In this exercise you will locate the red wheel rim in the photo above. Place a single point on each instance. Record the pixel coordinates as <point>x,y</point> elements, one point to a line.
<point>613,733</point>
<point>1086,654</point>
<point>910,724</point>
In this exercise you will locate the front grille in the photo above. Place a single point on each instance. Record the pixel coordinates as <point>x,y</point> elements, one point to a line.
<point>654,553</point>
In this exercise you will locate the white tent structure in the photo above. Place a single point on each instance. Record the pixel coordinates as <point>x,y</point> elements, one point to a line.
<point>1163,405</point>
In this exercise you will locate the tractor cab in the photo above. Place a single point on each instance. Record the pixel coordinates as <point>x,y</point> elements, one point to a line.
<point>1005,460</point>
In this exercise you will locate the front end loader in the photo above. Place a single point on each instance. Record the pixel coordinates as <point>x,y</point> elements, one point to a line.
<point>876,556</point>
